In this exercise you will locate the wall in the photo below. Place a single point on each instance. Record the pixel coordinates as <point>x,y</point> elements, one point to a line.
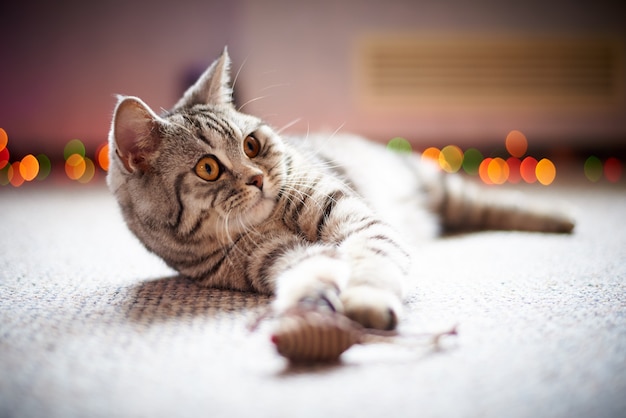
<point>303,57</point>
<point>62,62</point>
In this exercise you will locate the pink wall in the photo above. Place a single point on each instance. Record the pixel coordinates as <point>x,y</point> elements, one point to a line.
<point>62,63</point>
<point>308,56</point>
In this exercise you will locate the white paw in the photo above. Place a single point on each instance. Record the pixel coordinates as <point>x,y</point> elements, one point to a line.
<point>372,307</point>
<point>314,283</point>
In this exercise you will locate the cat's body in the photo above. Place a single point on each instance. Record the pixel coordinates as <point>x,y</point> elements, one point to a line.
<point>221,197</point>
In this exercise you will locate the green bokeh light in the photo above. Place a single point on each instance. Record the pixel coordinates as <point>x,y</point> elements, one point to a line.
<point>5,174</point>
<point>471,161</point>
<point>593,168</point>
<point>45,166</point>
<point>75,146</point>
<point>400,145</point>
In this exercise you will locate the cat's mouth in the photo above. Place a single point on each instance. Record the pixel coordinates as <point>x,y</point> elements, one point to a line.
<point>260,209</point>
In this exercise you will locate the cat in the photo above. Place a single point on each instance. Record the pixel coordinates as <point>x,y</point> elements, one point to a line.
<point>328,222</point>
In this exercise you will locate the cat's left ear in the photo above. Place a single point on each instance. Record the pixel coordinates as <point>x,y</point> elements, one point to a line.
<point>213,86</point>
<point>135,134</point>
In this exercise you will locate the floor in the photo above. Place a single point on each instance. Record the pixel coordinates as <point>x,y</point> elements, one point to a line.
<point>93,325</point>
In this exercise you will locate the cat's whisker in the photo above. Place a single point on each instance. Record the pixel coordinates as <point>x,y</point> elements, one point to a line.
<point>303,196</point>
<point>251,101</point>
<point>243,63</point>
<point>288,125</point>
<point>327,139</point>
<point>340,127</point>
<point>183,127</point>
<point>273,86</point>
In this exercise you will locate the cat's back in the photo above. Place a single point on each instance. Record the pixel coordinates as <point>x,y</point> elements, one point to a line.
<point>393,184</point>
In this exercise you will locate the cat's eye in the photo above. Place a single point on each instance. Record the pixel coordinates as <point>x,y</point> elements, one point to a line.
<point>208,168</point>
<point>251,146</point>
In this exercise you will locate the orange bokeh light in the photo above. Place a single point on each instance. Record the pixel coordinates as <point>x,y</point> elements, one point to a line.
<point>431,153</point>
<point>29,167</point>
<point>103,157</point>
<point>4,139</point>
<point>75,166</point>
<point>545,171</point>
<point>527,169</point>
<point>516,144</point>
<point>498,171</point>
<point>15,177</point>
<point>483,170</point>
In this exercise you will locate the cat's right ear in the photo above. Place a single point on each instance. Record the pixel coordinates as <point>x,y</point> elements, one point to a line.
<point>135,134</point>
<point>213,87</point>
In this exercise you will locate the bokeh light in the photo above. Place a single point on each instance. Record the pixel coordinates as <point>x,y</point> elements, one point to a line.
<point>75,166</point>
<point>451,158</point>
<point>397,144</point>
<point>45,166</point>
<point>545,171</point>
<point>29,167</point>
<point>495,170</point>
<point>514,169</point>
<point>527,169</point>
<point>483,170</point>
<point>4,158</point>
<point>75,146</point>
<point>431,154</point>
<point>4,175</point>
<point>612,169</point>
<point>471,161</point>
<point>498,171</point>
<point>15,177</point>
<point>90,171</point>
<point>593,168</point>
<point>516,144</point>
<point>4,139</point>
<point>103,156</point>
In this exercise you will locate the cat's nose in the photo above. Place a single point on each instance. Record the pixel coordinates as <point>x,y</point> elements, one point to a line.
<point>256,180</point>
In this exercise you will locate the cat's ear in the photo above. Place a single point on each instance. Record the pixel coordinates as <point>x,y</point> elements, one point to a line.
<point>135,134</point>
<point>213,86</point>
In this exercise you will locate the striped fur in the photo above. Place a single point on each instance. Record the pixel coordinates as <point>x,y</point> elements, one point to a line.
<point>307,219</point>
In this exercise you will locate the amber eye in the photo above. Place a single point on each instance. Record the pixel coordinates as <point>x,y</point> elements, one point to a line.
<point>208,168</point>
<point>251,146</point>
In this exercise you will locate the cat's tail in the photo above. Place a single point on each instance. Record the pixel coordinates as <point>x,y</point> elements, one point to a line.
<point>463,205</point>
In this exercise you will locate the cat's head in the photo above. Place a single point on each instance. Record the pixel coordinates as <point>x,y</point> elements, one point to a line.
<point>202,168</point>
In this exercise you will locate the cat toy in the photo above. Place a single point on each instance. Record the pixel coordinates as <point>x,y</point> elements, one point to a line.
<point>316,336</point>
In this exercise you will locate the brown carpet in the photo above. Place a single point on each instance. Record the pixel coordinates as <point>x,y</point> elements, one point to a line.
<point>91,325</point>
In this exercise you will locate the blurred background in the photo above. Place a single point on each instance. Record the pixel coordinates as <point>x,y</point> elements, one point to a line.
<point>467,82</point>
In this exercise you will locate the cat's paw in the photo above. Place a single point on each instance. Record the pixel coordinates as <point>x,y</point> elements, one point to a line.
<point>372,307</point>
<point>313,284</point>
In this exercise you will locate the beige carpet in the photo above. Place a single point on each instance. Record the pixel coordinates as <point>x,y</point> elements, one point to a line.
<point>93,326</point>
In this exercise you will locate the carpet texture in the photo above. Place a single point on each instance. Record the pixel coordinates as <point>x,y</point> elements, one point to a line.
<point>91,325</point>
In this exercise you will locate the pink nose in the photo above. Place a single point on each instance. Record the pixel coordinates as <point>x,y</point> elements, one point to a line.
<point>256,180</point>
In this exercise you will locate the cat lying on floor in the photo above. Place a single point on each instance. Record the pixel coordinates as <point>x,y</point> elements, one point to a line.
<point>225,199</point>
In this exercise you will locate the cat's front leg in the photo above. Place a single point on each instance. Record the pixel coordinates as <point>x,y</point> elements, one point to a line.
<point>354,279</point>
<point>379,264</point>
<point>368,291</point>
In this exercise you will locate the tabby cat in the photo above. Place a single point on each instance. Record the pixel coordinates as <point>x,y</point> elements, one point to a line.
<point>223,198</point>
